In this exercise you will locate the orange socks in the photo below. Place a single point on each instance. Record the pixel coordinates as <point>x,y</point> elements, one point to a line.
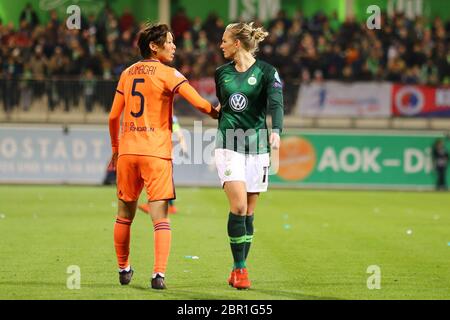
<point>162,238</point>
<point>122,241</point>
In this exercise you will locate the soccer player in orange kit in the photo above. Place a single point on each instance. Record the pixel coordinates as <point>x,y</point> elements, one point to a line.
<point>143,154</point>
<point>176,128</point>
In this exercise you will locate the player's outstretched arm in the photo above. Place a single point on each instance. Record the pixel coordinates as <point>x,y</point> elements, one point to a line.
<point>191,95</point>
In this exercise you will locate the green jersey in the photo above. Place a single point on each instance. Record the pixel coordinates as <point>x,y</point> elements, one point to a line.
<point>246,97</point>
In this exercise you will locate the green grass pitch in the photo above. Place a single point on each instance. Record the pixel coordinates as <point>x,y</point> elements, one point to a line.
<point>307,245</point>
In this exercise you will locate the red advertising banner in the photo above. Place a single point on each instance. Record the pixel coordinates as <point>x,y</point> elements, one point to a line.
<point>420,101</point>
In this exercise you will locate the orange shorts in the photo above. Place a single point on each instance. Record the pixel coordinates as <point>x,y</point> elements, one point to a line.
<point>135,171</point>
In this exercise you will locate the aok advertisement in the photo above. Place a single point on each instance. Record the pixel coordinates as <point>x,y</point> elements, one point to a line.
<point>368,160</point>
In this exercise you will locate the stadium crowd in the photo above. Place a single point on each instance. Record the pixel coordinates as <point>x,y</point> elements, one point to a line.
<point>35,57</point>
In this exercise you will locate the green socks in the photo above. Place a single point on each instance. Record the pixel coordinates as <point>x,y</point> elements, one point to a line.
<point>240,232</point>
<point>249,233</point>
<point>238,237</point>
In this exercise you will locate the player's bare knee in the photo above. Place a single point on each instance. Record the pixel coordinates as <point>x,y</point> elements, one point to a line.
<point>126,210</point>
<point>239,209</point>
<point>250,210</point>
<point>125,215</point>
<point>158,216</point>
<point>158,209</point>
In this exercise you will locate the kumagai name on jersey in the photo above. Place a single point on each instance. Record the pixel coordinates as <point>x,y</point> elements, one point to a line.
<point>246,97</point>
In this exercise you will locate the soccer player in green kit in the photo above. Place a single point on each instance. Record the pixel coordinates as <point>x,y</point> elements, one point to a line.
<point>247,89</point>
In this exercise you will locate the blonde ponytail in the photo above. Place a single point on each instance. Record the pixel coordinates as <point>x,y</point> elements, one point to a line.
<point>258,34</point>
<point>249,35</point>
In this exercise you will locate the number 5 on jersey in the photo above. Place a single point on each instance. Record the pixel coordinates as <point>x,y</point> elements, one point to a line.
<point>134,92</point>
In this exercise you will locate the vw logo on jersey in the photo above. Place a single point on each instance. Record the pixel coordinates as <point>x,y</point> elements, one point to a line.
<point>238,102</point>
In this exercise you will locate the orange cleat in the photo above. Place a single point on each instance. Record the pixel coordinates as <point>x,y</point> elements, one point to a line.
<point>241,280</point>
<point>231,278</point>
<point>144,207</point>
<point>172,209</point>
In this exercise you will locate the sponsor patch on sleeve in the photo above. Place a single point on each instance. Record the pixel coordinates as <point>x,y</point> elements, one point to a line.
<point>277,84</point>
<point>277,76</point>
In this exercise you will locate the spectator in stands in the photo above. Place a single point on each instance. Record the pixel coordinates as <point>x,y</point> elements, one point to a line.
<point>411,76</point>
<point>26,87</point>
<point>279,30</point>
<point>22,38</point>
<point>53,28</point>
<point>214,27</point>
<point>180,24</point>
<point>90,25</point>
<point>429,73</point>
<point>396,67</point>
<point>29,15</point>
<point>280,19</point>
<point>38,63</point>
<point>196,28</point>
<point>187,42</point>
<point>38,69</point>
<point>202,41</point>
<point>58,68</point>
<point>364,74</point>
<point>89,89</point>
<point>12,70</point>
<point>306,76</point>
<point>127,20</point>
<point>318,76</point>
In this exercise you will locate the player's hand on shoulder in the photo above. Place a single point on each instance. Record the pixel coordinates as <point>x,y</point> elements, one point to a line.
<point>215,112</point>
<point>218,107</point>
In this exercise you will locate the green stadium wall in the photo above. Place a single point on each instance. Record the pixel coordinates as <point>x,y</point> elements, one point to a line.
<point>223,9</point>
<point>145,10</point>
<point>430,8</point>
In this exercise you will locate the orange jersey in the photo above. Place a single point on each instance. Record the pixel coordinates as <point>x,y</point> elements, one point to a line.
<point>145,96</point>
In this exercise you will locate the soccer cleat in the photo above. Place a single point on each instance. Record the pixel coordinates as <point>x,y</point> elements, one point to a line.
<point>172,209</point>
<point>241,280</point>
<point>231,278</point>
<point>144,207</point>
<point>158,283</point>
<point>125,276</point>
